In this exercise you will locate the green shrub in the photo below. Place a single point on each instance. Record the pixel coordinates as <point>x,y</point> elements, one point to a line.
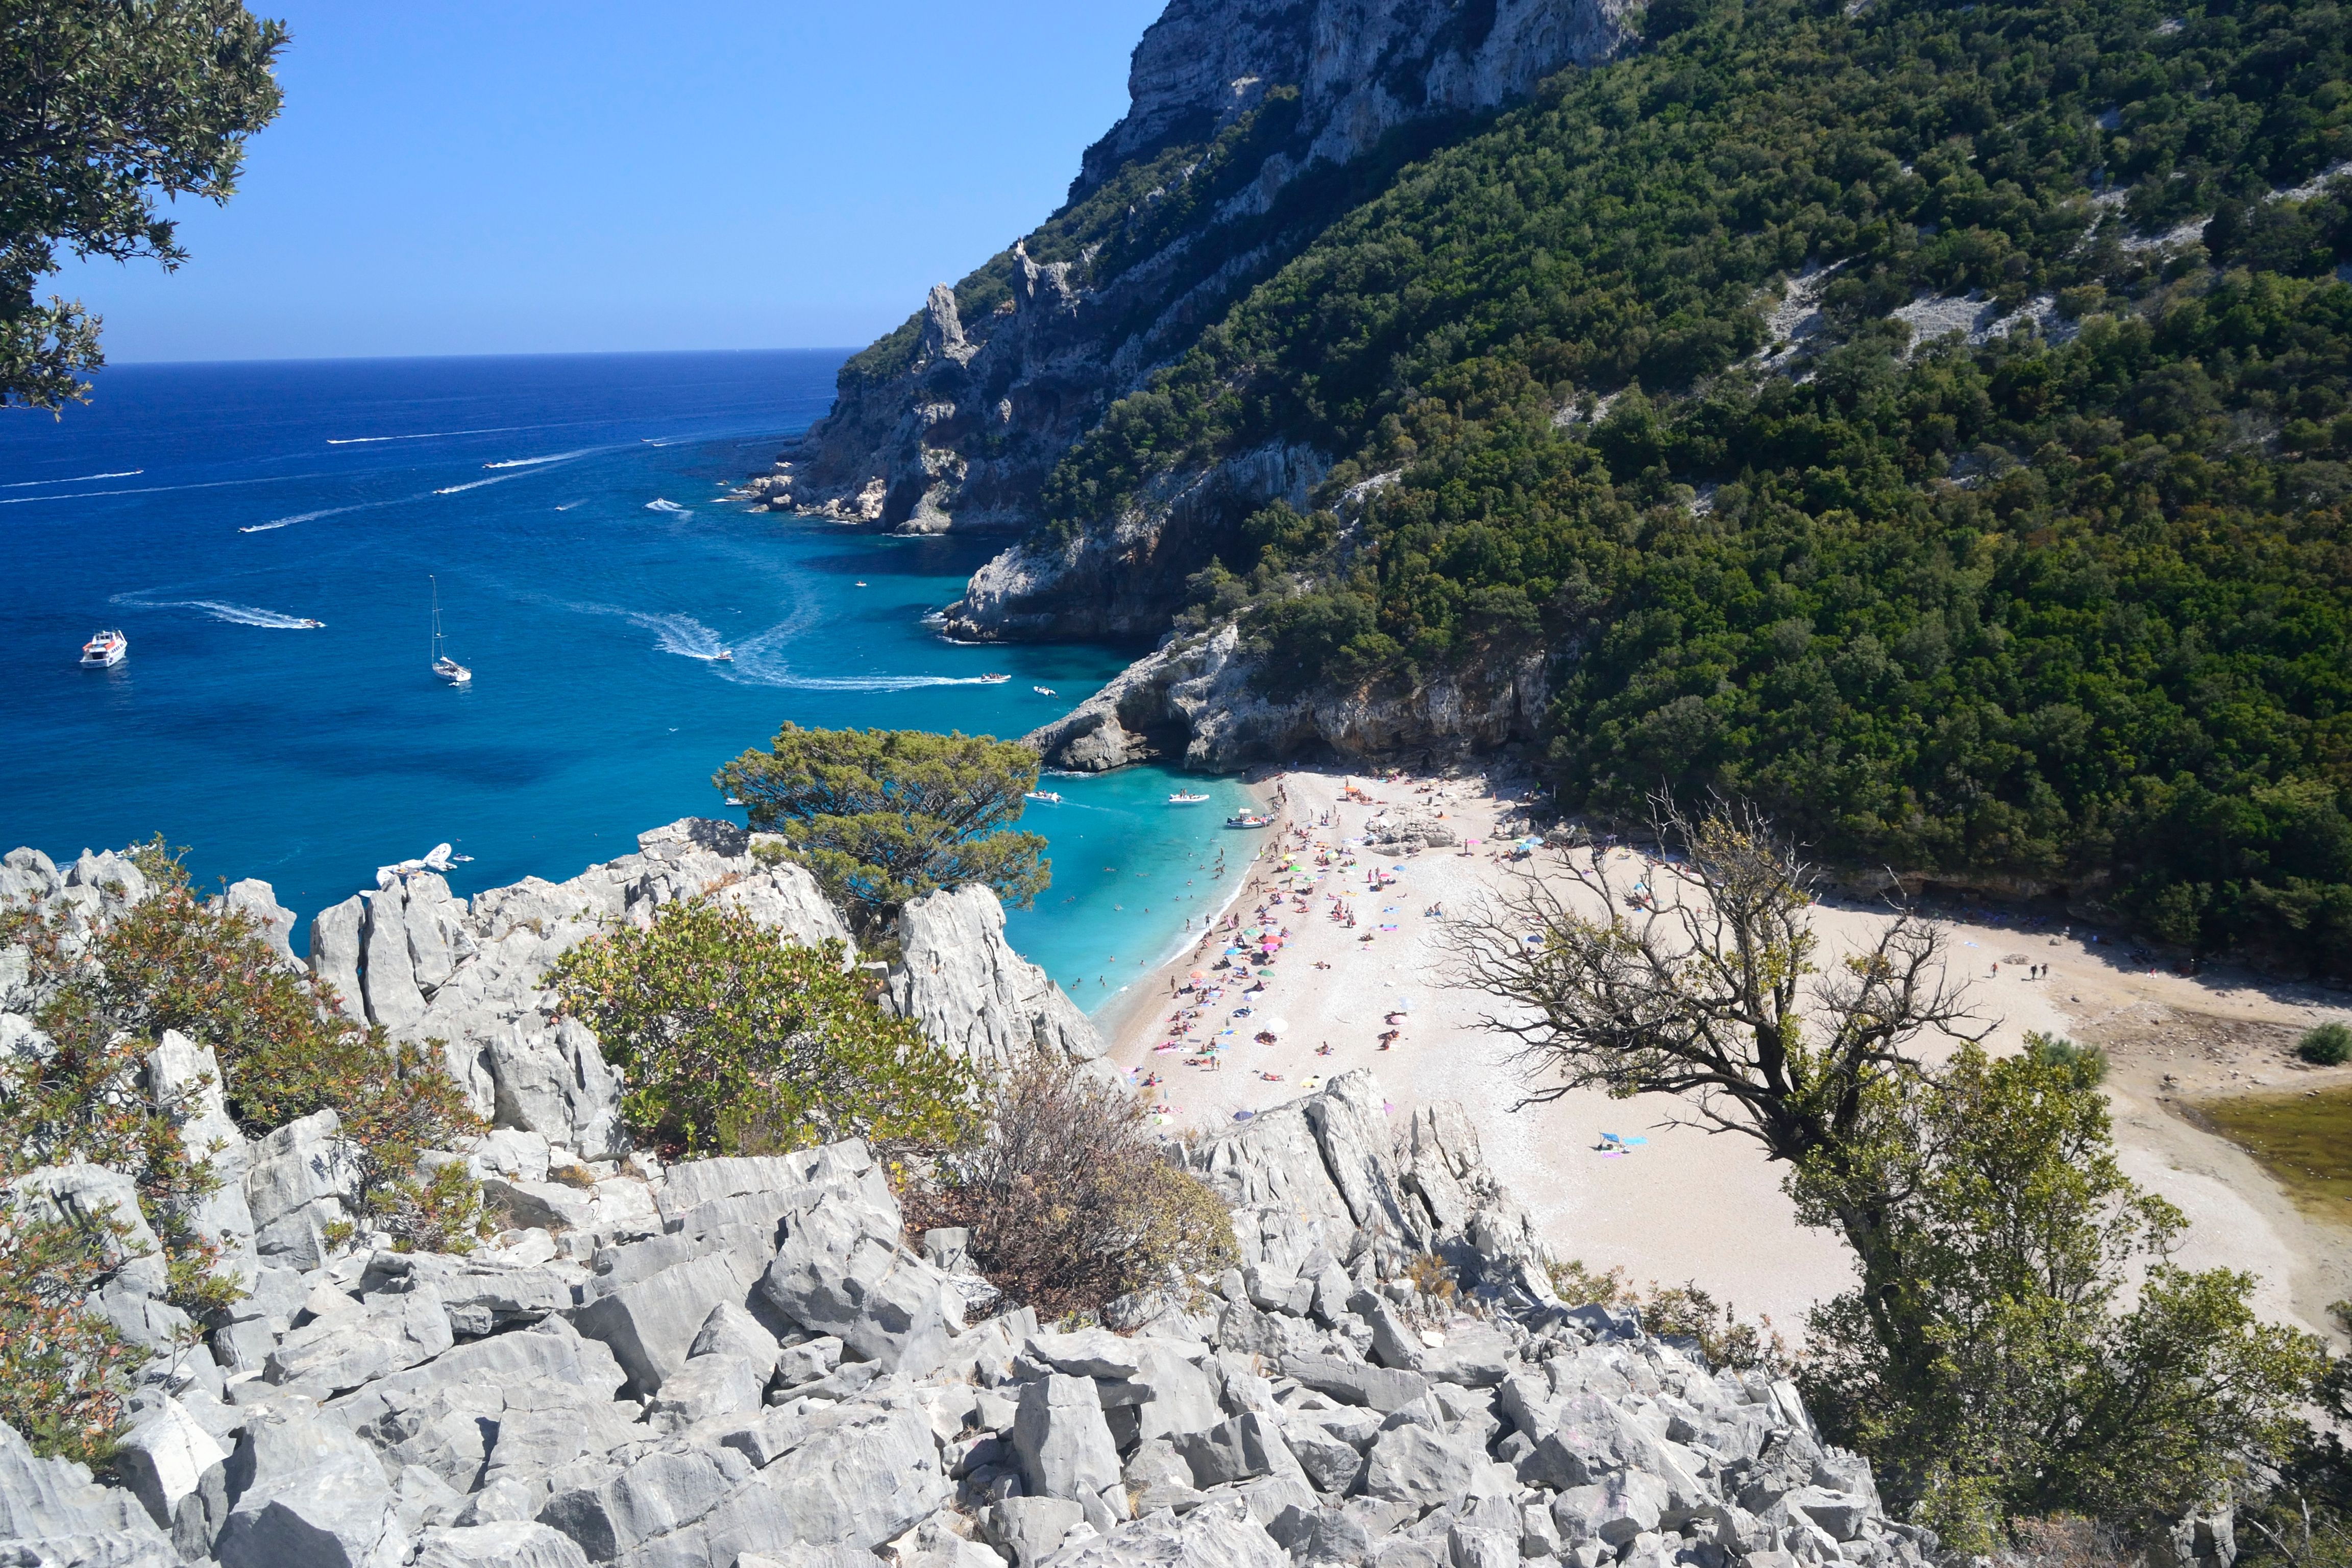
<point>735,1041</point>
<point>2329,1045</point>
<point>880,816</point>
<point>2087,1063</point>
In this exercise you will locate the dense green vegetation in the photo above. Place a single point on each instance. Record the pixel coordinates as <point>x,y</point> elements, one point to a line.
<point>735,1041</point>
<point>2068,605</point>
<point>104,108</point>
<point>880,816</point>
<point>2016,1341</point>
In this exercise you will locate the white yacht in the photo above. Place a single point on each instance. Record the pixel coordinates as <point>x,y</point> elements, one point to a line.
<point>1186,797</point>
<point>447,668</point>
<point>105,651</point>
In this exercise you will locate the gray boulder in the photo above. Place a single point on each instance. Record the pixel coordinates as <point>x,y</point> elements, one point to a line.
<point>164,1458</point>
<point>52,1513</point>
<point>336,936</point>
<point>550,1079</point>
<point>511,1543</point>
<point>388,1334</point>
<point>1219,1534</point>
<point>707,1386</point>
<point>842,1270</point>
<point>959,979</point>
<point>1415,1464</point>
<point>651,1323</point>
<point>1065,1444</point>
<point>307,1492</point>
<point>257,901</point>
<point>181,1072</point>
<point>296,1186</point>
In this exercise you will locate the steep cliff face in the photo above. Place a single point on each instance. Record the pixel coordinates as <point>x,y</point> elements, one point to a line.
<point>1252,124</point>
<point>1195,700</point>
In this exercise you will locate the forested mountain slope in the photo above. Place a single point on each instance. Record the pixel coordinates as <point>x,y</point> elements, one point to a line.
<point>1655,379</point>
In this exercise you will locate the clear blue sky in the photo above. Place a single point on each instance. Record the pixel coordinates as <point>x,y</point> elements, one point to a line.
<point>502,177</point>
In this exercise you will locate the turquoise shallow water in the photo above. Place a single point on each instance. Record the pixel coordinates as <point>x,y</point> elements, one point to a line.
<point>205,509</point>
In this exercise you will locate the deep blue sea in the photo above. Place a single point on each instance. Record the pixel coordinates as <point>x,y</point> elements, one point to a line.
<point>568,506</point>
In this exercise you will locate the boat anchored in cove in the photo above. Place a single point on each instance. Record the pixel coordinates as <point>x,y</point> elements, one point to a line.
<point>447,668</point>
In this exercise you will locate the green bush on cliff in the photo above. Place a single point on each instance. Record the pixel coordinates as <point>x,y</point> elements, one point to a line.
<point>880,816</point>
<point>735,1041</point>
<point>2073,605</point>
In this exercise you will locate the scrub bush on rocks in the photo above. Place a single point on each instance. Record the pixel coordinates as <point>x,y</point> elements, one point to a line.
<point>64,1369</point>
<point>172,962</point>
<point>735,1041</point>
<point>1070,1199</point>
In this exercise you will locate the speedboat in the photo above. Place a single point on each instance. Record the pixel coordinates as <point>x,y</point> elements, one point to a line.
<point>735,800</point>
<point>993,679</point>
<point>309,626</point>
<point>1183,797</point>
<point>724,655</point>
<point>1049,796</point>
<point>1245,820</point>
<point>1043,690</point>
<point>104,650</point>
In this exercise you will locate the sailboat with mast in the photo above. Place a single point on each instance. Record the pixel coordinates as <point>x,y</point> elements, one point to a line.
<point>447,668</point>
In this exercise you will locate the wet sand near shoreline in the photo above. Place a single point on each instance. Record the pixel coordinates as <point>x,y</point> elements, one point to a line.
<point>1663,1201</point>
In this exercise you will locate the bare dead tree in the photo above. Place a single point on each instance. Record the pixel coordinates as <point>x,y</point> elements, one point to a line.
<point>1706,983</point>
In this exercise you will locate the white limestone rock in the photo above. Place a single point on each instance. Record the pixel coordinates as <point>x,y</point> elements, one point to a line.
<point>959,978</point>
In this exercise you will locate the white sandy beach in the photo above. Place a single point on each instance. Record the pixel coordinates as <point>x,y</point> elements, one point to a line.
<point>1688,1204</point>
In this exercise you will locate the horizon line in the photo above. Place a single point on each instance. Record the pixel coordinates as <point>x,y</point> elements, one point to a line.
<point>519,353</point>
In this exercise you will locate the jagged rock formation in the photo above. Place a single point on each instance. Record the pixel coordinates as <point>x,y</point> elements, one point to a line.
<point>958,978</point>
<point>1195,698</point>
<point>426,965</point>
<point>760,1370</point>
<point>956,419</point>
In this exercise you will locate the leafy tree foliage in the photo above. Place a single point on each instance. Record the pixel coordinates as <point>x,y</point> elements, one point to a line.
<point>2040,1391</point>
<point>735,1041</point>
<point>2073,602</point>
<point>64,1368</point>
<point>105,106</point>
<point>881,816</point>
<point>1988,1359</point>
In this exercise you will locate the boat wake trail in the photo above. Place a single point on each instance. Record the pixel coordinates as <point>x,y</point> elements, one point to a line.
<point>78,478</point>
<point>311,516</point>
<point>760,661</point>
<point>534,462</point>
<point>430,435</point>
<point>239,614</point>
<point>680,633</point>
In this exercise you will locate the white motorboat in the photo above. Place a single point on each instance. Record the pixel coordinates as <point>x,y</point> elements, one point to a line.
<point>1183,797</point>
<point>1051,797</point>
<point>724,655</point>
<point>104,650</point>
<point>447,668</point>
<point>1043,690</point>
<point>993,679</point>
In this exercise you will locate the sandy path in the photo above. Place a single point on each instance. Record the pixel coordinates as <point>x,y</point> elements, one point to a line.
<point>1689,1204</point>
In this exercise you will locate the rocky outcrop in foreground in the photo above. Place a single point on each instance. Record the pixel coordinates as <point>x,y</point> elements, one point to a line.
<point>1194,699</point>
<point>750,1365</point>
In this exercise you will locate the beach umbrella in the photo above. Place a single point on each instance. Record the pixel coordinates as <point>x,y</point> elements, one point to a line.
<point>1198,974</point>
<point>1272,1026</point>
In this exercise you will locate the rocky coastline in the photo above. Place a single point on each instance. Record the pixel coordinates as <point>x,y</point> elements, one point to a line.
<point>740,1362</point>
